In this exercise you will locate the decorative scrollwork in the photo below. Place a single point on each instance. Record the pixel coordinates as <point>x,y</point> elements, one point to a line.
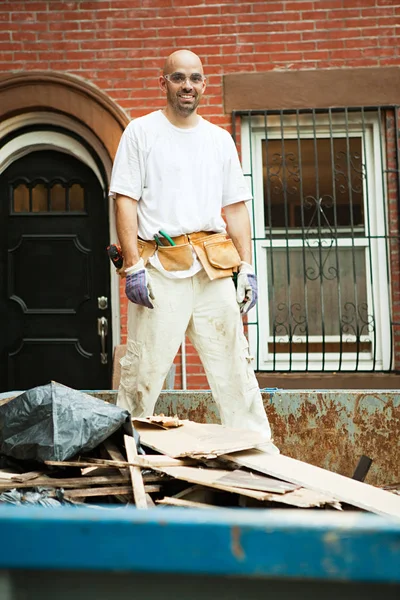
<point>317,205</point>
<point>289,322</point>
<point>320,269</point>
<point>283,173</point>
<point>353,172</point>
<point>356,321</point>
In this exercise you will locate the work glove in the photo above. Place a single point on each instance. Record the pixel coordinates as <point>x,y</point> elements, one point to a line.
<point>246,288</point>
<point>138,285</point>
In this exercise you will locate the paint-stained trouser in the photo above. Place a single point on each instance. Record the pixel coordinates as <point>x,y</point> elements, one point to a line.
<point>208,313</point>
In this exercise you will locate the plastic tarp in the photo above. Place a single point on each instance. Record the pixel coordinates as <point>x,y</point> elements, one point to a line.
<point>55,422</point>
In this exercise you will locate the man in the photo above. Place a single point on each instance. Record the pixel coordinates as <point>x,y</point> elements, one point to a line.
<point>173,174</point>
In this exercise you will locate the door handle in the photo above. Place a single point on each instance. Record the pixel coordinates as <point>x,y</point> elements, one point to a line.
<point>102,330</point>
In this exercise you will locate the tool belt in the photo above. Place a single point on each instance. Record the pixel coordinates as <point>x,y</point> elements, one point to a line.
<point>215,251</point>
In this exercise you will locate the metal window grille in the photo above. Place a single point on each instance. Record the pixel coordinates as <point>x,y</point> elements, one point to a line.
<point>325,207</point>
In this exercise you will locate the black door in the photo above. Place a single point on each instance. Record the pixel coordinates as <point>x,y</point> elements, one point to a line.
<point>53,273</point>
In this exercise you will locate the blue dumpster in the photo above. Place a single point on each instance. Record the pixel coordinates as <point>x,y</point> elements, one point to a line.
<point>96,553</point>
<point>116,553</point>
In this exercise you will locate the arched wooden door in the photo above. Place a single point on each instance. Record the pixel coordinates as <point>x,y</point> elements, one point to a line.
<point>54,274</point>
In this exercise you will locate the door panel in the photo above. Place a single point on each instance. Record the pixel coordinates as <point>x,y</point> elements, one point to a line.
<point>53,268</point>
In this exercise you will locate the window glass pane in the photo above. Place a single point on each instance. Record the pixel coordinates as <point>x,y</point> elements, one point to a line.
<point>313,183</point>
<point>21,198</point>
<point>57,197</point>
<point>76,198</point>
<point>317,290</point>
<point>39,198</point>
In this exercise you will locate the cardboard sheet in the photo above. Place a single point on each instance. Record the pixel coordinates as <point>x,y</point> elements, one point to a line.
<point>213,478</point>
<point>163,421</point>
<point>196,440</point>
<point>252,481</point>
<point>342,488</point>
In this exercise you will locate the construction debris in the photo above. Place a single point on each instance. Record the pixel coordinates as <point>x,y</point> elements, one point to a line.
<point>196,440</point>
<point>186,464</point>
<point>344,489</point>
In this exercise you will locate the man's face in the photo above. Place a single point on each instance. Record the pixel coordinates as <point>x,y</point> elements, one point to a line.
<point>184,86</point>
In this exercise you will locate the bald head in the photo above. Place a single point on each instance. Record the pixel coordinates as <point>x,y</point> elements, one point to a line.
<point>182,60</point>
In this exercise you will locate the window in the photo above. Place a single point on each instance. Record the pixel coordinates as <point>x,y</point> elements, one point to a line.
<point>321,239</point>
<point>44,197</point>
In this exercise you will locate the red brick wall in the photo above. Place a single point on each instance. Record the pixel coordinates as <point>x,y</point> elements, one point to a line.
<point>120,46</point>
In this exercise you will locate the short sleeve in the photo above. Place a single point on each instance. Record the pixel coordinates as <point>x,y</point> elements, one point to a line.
<point>127,177</point>
<point>236,187</point>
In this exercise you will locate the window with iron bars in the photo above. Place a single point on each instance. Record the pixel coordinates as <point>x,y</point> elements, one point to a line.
<point>325,236</point>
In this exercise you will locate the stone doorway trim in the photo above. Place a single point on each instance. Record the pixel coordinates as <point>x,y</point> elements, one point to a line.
<point>66,94</point>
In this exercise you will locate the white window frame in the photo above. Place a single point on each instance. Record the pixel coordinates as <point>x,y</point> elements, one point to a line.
<point>373,148</point>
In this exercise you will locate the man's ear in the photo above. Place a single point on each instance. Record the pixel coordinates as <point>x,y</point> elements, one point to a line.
<point>162,83</point>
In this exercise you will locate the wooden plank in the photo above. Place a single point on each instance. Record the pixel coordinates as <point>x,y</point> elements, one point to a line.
<point>106,464</point>
<point>67,482</point>
<point>342,488</point>
<point>8,475</point>
<point>113,451</point>
<point>84,482</point>
<point>146,462</point>
<point>88,470</point>
<point>115,454</point>
<point>172,501</point>
<point>149,460</point>
<point>94,492</point>
<point>139,493</point>
<point>108,491</point>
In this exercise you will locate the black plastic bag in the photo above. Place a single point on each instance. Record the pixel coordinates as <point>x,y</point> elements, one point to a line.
<point>55,422</point>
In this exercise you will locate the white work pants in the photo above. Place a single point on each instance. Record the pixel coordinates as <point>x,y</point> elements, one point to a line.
<point>208,313</point>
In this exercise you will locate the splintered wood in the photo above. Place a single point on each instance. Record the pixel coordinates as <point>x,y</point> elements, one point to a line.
<point>136,475</point>
<point>180,463</point>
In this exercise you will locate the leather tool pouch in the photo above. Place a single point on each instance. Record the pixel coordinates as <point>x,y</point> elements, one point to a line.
<point>176,258</point>
<point>217,254</point>
<point>146,249</point>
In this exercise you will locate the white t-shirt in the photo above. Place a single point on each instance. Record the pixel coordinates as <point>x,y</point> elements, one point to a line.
<point>181,178</point>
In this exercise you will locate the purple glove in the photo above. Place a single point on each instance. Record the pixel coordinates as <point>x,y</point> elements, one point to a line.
<point>138,285</point>
<point>246,288</point>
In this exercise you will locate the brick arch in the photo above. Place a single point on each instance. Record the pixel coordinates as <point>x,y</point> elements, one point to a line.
<point>66,94</point>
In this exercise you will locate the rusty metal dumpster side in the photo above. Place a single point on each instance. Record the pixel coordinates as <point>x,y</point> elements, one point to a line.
<point>333,429</point>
